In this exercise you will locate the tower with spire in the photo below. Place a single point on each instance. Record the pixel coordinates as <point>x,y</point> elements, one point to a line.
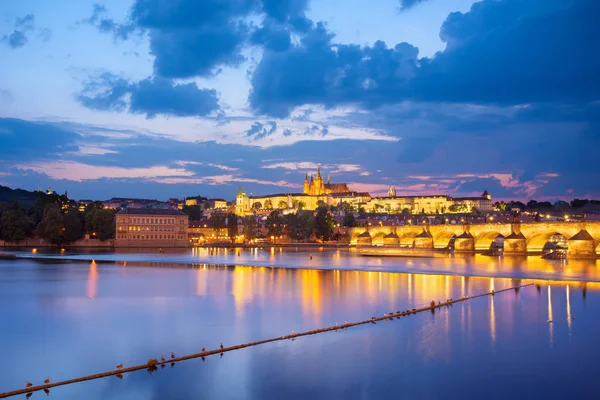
<point>314,185</point>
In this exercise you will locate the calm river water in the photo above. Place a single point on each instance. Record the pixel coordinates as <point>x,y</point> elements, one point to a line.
<point>68,318</point>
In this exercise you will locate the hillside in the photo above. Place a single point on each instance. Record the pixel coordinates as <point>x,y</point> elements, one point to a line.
<point>25,198</point>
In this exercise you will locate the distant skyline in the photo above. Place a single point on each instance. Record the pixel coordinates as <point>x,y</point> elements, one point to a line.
<point>174,98</point>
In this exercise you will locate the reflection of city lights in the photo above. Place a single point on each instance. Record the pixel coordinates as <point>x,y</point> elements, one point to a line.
<point>92,280</point>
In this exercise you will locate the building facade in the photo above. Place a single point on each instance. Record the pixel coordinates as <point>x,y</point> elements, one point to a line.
<point>151,227</point>
<point>316,193</point>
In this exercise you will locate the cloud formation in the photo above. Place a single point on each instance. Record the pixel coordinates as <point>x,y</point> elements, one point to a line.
<point>151,96</point>
<point>498,52</point>
<point>18,38</point>
<point>406,4</point>
<point>78,172</point>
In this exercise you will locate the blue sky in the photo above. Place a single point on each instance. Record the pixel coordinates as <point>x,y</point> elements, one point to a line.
<point>170,98</point>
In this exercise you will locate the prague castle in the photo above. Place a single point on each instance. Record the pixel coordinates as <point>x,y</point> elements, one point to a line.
<point>316,193</point>
<point>316,187</point>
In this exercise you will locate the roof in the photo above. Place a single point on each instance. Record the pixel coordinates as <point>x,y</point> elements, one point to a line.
<point>337,187</point>
<point>582,235</point>
<point>515,236</point>
<point>151,211</point>
<point>465,235</point>
<point>278,195</point>
<point>364,234</point>
<point>424,234</point>
<point>485,193</point>
<point>425,196</point>
<point>472,198</point>
<point>391,235</point>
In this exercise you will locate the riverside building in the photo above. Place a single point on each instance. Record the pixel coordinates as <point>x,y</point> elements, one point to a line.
<point>151,227</point>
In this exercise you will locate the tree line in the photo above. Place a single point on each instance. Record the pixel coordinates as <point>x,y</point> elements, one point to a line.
<point>55,218</point>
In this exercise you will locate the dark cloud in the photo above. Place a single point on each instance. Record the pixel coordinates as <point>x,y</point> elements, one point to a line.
<point>151,96</point>
<point>272,36</point>
<point>500,52</point>
<point>197,38</point>
<point>27,140</point>
<point>25,23</point>
<point>105,24</point>
<point>406,4</point>
<point>18,37</point>
<point>258,131</point>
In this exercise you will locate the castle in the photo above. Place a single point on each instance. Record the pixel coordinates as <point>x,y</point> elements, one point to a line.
<point>316,192</point>
<point>316,187</point>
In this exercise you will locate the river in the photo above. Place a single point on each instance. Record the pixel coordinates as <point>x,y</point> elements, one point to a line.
<point>73,314</point>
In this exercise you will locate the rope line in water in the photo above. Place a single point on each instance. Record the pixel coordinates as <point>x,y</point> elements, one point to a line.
<point>153,363</point>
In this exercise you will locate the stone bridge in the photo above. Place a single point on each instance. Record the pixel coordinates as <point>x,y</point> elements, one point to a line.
<point>519,238</point>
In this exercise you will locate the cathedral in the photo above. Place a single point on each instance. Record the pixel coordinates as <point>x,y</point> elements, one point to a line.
<point>316,187</point>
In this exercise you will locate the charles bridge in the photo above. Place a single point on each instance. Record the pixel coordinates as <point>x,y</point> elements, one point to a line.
<point>583,238</point>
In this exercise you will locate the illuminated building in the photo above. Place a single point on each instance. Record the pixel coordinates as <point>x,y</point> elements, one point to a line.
<point>151,227</point>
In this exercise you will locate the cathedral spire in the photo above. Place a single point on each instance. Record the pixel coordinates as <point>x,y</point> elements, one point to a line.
<point>319,172</point>
<point>328,179</point>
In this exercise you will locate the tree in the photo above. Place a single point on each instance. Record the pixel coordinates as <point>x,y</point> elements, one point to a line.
<point>14,225</point>
<point>457,208</point>
<point>256,205</point>
<point>283,204</point>
<point>195,212</point>
<point>73,230</point>
<point>250,228</point>
<point>268,204</point>
<point>232,227</point>
<point>217,221</point>
<point>104,224</point>
<point>405,211</point>
<point>52,226</point>
<point>423,211</point>
<point>501,206</point>
<point>299,225</point>
<point>321,203</point>
<point>347,207</point>
<point>349,220</point>
<point>274,224</point>
<point>301,205</point>
<point>443,209</point>
<point>323,224</point>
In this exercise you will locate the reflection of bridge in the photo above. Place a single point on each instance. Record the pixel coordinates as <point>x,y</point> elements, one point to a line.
<point>519,238</point>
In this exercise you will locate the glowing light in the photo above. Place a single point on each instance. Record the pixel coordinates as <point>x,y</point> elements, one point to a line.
<point>34,251</point>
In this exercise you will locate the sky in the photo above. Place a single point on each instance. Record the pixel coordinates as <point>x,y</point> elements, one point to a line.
<point>175,98</point>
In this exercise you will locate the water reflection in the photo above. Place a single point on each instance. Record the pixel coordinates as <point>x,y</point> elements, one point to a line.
<point>532,267</point>
<point>240,304</point>
<point>492,314</point>
<point>92,281</point>
<point>550,318</point>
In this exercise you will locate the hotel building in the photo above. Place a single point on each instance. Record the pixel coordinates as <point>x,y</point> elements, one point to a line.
<point>151,227</point>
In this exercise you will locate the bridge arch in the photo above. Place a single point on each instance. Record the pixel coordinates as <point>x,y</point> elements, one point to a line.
<point>442,239</point>
<point>408,238</point>
<point>539,241</point>
<point>484,240</point>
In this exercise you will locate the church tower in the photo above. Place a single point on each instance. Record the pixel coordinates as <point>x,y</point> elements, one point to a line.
<point>392,192</point>
<point>306,189</point>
